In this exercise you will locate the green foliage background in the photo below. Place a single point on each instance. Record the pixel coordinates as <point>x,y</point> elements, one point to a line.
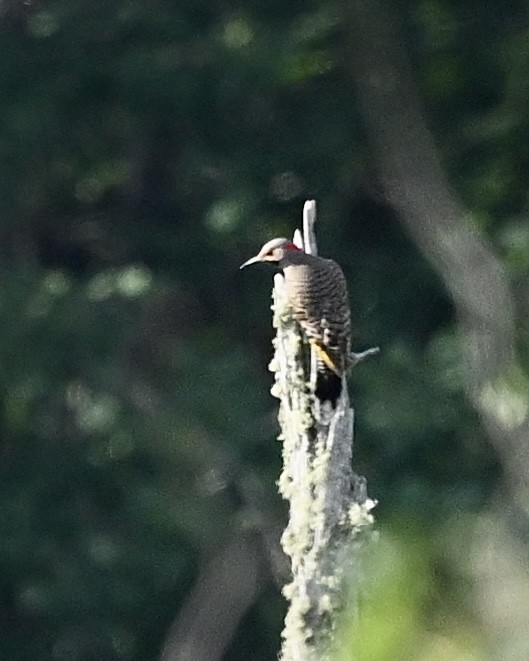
<point>146,150</point>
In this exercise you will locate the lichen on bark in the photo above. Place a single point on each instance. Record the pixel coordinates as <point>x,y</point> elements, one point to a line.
<point>330,517</point>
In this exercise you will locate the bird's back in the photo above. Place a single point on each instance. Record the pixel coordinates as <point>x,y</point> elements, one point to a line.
<point>317,291</point>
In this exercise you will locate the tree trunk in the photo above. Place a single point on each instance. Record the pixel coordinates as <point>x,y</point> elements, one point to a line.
<point>330,513</point>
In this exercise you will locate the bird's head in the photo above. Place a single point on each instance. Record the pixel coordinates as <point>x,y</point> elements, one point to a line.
<point>274,252</point>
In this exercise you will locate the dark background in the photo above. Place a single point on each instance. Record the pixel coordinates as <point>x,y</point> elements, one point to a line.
<point>147,149</point>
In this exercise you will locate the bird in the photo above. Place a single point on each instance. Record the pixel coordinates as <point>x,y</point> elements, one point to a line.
<point>317,292</point>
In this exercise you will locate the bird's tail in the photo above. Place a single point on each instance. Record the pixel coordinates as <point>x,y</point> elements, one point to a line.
<point>328,386</point>
<point>329,381</point>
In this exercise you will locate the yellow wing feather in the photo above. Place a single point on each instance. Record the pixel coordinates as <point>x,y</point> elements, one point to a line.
<point>324,356</point>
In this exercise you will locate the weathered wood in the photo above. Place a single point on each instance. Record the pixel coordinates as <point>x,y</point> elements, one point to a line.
<point>330,513</point>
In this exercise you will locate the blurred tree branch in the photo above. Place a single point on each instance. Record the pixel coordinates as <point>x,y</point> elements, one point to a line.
<point>226,588</point>
<point>414,183</point>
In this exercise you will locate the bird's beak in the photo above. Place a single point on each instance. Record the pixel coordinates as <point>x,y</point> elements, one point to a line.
<point>252,260</point>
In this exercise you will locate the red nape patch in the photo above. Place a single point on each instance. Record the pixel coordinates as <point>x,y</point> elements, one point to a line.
<point>291,246</point>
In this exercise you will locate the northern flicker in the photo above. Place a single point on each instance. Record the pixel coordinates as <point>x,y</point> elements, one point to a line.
<point>317,292</point>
